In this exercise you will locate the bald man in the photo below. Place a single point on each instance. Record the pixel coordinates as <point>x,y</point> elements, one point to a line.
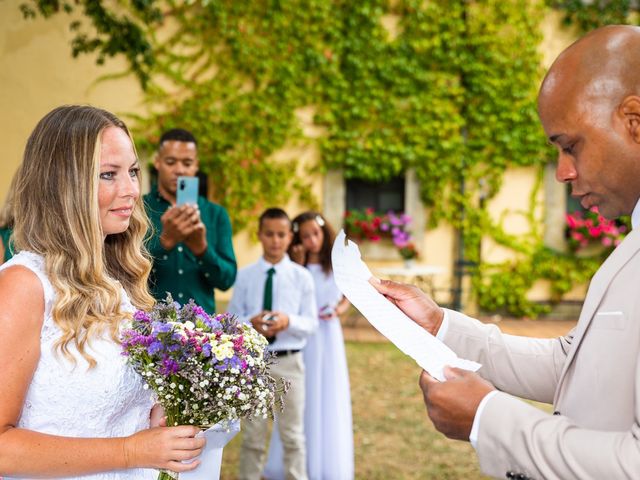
<point>589,105</point>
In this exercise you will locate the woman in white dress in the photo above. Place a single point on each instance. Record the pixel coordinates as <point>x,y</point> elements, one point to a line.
<point>328,425</point>
<point>70,405</point>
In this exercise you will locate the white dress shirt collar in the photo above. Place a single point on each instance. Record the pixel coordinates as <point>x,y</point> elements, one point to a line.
<point>264,265</point>
<point>635,216</point>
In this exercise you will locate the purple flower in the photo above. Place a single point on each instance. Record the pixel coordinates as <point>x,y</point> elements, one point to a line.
<point>169,366</point>
<point>154,348</point>
<point>141,316</point>
<point>132,338</point>
<point>160,327</point>
<point>199,311</point>
<point>206,350</point>
<point>395,220</point>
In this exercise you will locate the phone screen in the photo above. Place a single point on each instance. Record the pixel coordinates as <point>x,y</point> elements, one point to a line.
<point>187,190</point>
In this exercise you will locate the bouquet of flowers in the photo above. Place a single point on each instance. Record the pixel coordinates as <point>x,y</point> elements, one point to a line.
<point>205,370</point>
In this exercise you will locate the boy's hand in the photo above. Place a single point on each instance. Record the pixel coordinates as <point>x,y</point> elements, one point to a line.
<point>259,322</point>
<point>273,323</point>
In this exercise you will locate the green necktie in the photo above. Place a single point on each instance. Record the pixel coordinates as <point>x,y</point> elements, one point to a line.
<point>267,302</point>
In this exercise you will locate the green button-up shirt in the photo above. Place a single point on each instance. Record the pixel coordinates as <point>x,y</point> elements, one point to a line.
<point>179,271</point>
<point>5,234</point>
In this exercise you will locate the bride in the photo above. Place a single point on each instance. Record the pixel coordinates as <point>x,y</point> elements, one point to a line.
<point>70,405</point>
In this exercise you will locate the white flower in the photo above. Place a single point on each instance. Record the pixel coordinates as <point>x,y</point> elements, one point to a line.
<point>189,325</point>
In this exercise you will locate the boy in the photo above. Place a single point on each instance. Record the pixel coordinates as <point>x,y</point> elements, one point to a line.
<point>277,297</point>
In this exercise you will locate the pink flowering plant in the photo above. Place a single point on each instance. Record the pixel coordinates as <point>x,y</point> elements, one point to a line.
<point>589,228</point>
<point>371,225</point>
<point>204,369</point>
<point>364,224</point>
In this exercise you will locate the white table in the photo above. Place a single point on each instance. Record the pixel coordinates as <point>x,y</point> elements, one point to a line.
<point>420,275</point>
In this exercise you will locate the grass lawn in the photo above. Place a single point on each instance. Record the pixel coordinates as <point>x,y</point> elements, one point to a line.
<point>394,438</point>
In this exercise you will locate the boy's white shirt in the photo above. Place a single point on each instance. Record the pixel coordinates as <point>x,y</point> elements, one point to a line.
<point>293,294</point>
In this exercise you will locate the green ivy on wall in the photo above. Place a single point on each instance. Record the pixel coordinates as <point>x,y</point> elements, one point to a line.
<point>446,87</point>
<point>587,15</point>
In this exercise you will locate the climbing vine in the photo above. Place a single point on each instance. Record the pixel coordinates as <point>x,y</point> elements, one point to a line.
<point>587,15</point>
<point>445,87</point>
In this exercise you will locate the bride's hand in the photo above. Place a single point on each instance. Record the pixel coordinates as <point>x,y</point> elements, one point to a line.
<point>156,417</point>
<point>164,447</point>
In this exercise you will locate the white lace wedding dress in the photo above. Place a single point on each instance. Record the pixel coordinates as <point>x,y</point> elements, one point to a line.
<point>106,401</point>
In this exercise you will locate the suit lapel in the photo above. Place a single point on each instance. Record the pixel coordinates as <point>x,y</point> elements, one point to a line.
<point>597,288</point>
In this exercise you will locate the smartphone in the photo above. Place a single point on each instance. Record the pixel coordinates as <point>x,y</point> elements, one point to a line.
<point>187,190</point>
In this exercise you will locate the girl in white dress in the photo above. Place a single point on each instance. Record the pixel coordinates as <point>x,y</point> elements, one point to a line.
<point>70,405</point>
<point>328,425</point>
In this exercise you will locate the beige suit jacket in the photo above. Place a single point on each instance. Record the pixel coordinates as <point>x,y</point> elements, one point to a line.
<point>591,376</point>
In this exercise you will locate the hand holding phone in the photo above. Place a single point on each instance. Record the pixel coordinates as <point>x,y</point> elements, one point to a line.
<point>187,190</point>
<point>326,312</point>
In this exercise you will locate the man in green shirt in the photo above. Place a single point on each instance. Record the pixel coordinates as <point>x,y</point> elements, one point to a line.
<point>191,245</point>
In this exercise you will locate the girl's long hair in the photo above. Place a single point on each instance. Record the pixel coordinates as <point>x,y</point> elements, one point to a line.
<point>56,215</point>
<point>327,242</point>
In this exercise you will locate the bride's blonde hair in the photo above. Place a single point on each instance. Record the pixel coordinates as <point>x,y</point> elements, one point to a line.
<point>56,215</point>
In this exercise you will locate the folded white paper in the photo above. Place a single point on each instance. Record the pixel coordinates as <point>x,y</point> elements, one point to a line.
<point>211,457</point>
<point>352,277</point>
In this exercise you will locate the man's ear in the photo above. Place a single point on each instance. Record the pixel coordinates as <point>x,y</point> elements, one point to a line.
<point>630,109</point>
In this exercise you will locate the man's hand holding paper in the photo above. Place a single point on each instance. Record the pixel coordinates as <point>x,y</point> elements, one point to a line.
<point>413,337</point>
<point>410,319</point>
<point>413,302</point>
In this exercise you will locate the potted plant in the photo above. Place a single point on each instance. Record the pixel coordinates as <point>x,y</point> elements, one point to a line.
<point>409,253</point>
